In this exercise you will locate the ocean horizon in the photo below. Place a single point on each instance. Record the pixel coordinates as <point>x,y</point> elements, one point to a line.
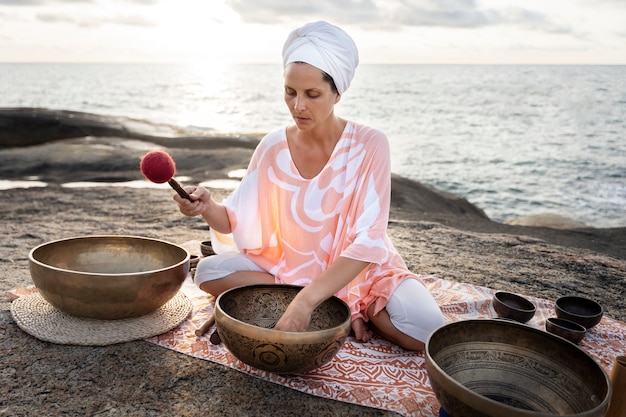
<point>515,140</point>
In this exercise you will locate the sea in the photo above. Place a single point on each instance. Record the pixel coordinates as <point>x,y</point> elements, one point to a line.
<point>515,140</point>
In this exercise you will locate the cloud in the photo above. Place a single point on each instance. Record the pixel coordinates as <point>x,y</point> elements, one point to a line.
<point>90,14</point>
<point>395,14</point>
<point>53,2</point>
<point>89,21</point>
<point>269,11</point>
<point>38,2</point>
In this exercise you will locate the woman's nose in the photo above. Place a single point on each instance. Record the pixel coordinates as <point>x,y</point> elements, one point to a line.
<point>298,104</point>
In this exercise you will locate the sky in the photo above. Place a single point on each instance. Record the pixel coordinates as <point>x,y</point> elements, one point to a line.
<point>253,31</point>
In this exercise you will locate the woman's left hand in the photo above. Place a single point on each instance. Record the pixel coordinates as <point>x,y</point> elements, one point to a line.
<point>298,314</point>
<point>295,319</point>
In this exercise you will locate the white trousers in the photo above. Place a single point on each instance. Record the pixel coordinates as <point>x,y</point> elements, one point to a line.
<point>411,307</point>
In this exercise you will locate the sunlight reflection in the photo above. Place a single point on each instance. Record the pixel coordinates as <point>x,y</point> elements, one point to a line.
<point>237,173</point>
<point>9,185</point>
<point>221,184</point>
<point>129,184</point>
<point>224,184</point>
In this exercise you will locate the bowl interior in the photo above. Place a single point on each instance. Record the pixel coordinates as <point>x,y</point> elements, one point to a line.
<point>263,305</point>
<point>497,368</point>
<point>109,255</point>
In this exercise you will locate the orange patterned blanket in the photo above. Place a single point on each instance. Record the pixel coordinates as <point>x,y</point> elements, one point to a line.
<point>377,374</point>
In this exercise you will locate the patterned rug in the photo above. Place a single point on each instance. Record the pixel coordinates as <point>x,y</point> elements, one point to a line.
<point>377,374</point>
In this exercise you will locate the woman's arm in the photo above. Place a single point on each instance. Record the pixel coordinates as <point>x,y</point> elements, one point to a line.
<point>213,213</point>
<point>298,314</point>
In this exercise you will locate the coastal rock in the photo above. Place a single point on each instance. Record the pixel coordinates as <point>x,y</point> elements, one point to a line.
<point>66,146</point>
<point>32,126</point>
<point>26,126</point>
<point>554,221</point>
<point>414,196</point>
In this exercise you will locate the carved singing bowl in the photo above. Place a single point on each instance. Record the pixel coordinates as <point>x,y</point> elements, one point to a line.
<point>245,317</point>
<point>108,277</point>
<point>496,368</point>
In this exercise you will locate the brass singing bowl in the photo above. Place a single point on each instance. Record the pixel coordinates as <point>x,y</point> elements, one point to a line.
<point>495,368</point>
<point>108,277</point>
<point>245,317</point>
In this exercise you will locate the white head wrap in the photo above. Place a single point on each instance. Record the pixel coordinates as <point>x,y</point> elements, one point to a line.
<point>327,48</point>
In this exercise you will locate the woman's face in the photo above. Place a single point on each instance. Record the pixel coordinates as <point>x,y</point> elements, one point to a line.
<point>308,96</point>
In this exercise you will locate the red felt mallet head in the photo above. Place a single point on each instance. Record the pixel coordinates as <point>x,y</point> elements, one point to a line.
<point>159,167</point>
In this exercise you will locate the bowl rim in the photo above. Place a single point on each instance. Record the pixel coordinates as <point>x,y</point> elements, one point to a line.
<point>500,407</point>
<point>283,336</point>
<point>32,258</point>
<point>557,321</point>
<point>532,309</point>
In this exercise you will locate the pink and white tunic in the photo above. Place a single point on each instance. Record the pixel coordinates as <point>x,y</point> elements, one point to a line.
<point>295,227</point>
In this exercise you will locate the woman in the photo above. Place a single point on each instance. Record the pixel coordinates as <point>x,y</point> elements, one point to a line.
<point>313,207</point>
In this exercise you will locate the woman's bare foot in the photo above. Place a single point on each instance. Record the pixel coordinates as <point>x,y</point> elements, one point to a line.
<point>361,330</point>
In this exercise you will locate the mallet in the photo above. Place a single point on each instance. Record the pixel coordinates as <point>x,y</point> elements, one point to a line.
<point>159,167</point>
<point>205,327</point>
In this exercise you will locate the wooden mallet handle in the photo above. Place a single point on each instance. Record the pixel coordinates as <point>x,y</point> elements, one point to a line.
<point>176,186</point>
<point>200,331</point>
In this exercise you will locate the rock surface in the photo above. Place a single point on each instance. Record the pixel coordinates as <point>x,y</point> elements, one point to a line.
<point>548,220</point>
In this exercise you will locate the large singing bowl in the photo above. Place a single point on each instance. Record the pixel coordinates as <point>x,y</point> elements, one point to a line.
<point>108,277</point>
<point>245,317</point>
<point>499,368</point>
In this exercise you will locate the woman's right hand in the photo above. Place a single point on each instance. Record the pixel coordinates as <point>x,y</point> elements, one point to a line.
<point>201,200</point>
<point>203,205</point>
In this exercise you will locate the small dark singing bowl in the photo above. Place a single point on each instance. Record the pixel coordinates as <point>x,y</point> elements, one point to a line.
<point>501,368</point>
<point>580,310</point>
<point>567,329</point>
<point>206,248</point>
<point>512,306</point>
<point>245,318</point>
<point>108,277</point>
<point>193,261</point>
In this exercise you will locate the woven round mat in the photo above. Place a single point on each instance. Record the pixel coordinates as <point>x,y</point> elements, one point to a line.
<point>40,319</point>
